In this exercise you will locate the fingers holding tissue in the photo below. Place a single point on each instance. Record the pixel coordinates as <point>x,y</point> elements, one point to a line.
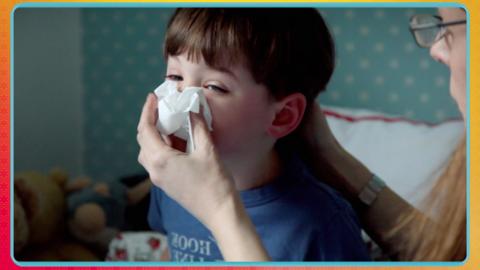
<point>149,139</point>
<point>168,111</point>
<point>197,180</point>
<point>174,109</point>
<point>202,139</point>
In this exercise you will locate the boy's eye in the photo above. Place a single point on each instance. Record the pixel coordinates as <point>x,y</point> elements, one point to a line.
<point>175,78</point>
<point>215,88</point>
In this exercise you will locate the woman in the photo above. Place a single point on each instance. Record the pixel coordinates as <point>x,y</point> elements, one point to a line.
<point>399,229</point>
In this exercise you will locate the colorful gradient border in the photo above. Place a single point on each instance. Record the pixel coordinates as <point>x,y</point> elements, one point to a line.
<point>7,8</point>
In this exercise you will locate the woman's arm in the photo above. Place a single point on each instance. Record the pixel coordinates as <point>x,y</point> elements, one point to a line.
<point>350,176</point>
<point>200,183</point>
<point>331,163</point>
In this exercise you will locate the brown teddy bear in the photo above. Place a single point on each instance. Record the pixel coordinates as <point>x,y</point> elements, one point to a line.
<point>39,219</point>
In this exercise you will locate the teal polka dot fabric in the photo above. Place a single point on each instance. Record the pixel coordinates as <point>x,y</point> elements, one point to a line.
<point>379,67</point>
<point>123,62</point>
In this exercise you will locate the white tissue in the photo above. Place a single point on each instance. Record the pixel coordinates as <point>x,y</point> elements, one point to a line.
<point>174,109</point>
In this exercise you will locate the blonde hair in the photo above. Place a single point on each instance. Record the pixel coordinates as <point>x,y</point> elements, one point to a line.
<point>444,240</point>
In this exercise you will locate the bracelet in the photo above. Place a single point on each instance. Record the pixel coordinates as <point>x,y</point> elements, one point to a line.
<point>370,192</point>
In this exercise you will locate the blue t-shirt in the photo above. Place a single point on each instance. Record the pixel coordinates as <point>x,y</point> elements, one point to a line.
<point>297,217</point>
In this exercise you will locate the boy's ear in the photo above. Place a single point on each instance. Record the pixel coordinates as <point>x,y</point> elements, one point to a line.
<point>288,115</point>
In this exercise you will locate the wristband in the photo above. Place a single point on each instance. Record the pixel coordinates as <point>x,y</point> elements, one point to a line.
<point>370,192</point>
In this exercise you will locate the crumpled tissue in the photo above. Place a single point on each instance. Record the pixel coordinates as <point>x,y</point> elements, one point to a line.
<point>174,109</point>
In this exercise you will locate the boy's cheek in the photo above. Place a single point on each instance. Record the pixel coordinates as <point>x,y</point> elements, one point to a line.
<point>236,120</point>
<point>232,131</point>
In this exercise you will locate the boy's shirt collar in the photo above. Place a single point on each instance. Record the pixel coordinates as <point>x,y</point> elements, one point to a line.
<point>290,174</point>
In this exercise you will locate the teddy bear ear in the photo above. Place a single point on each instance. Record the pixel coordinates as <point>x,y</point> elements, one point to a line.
<point>59,176</point>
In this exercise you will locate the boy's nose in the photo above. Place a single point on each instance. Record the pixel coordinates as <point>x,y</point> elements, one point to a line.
<point>180,87</point>
<point>187,83</point>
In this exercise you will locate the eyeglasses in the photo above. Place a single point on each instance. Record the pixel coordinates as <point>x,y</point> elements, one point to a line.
<point>428,29</point>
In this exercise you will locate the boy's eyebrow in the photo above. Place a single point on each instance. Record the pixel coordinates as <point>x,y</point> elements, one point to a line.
<point>228,71</point>
<point>220,69</point>
<point>174,57</point>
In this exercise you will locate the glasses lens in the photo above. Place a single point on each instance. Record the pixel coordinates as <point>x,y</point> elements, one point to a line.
<point>426,29</point>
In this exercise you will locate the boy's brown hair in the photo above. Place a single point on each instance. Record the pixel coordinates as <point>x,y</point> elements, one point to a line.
<point>286,49</point>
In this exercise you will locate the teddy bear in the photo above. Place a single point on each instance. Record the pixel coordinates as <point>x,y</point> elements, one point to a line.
<point>56,219</point>
<point>96,209</point>
<point>39,219</point>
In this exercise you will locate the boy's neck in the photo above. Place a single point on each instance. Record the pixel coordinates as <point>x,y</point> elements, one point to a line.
<point>255,171</point>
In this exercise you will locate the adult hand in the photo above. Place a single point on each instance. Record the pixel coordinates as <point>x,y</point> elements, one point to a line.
<point>319,148</point>
<point>329,161</point>
<point>198,181</point>
<point>317,134</point>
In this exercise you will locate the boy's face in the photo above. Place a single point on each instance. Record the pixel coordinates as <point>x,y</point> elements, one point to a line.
<point>241,109</point>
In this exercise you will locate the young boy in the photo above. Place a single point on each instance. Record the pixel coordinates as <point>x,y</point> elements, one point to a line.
<point>261,70</point>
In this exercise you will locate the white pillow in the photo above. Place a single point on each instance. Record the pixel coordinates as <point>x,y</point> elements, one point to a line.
<point>407,155</point>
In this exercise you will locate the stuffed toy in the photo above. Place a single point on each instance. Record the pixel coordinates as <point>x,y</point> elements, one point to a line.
<point>96,209</point>
<point>38,207</point>
<point>39,219</point>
